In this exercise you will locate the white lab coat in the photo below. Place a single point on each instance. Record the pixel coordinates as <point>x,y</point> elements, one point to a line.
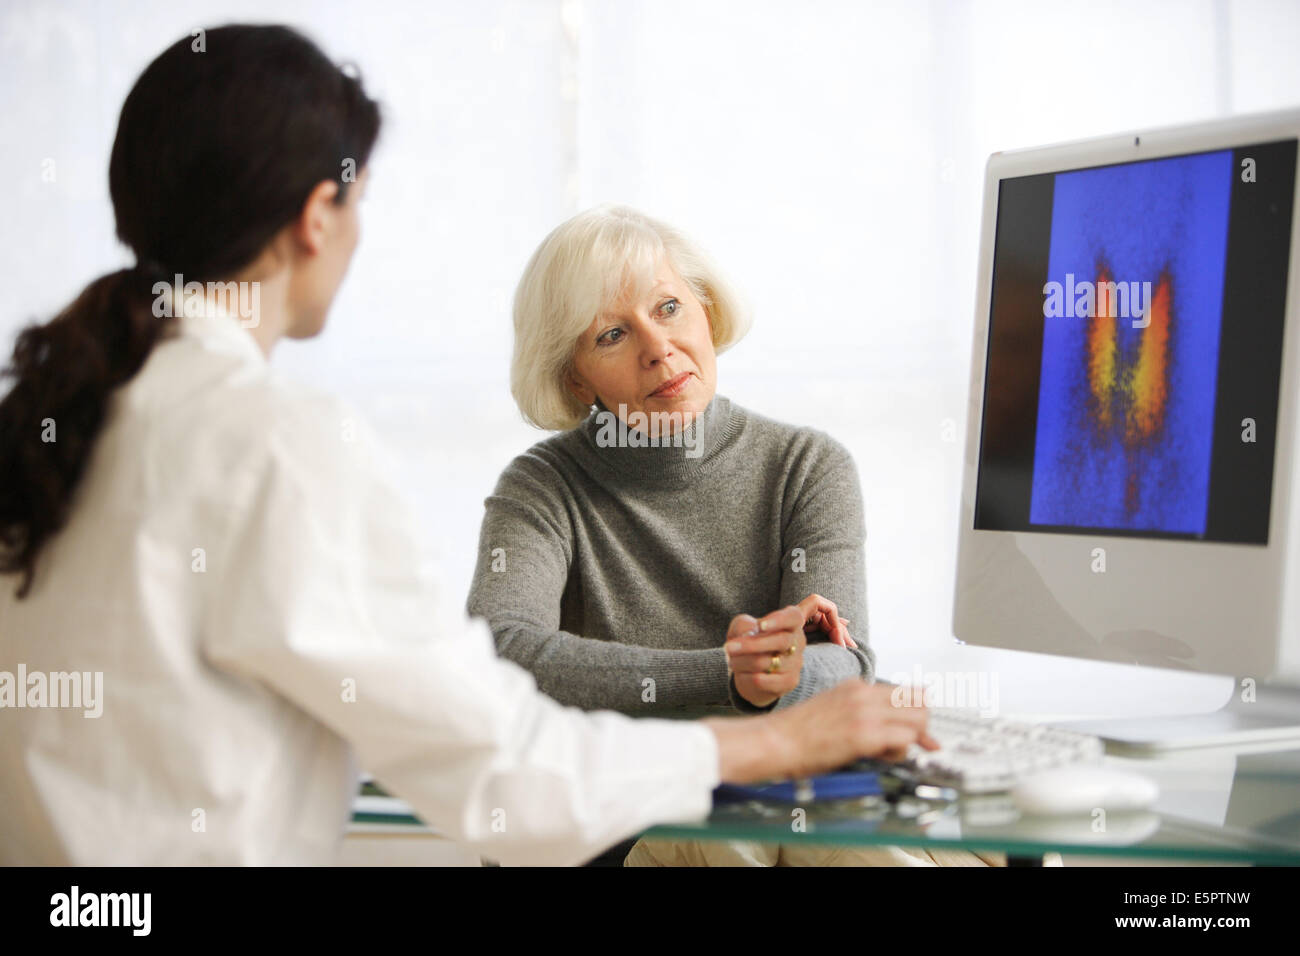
<point>241,570</point>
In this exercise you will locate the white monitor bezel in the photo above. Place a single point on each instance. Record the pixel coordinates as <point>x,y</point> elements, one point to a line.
<point>1258,590</point>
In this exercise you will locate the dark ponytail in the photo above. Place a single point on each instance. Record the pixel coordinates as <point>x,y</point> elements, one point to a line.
<point>218,146</point>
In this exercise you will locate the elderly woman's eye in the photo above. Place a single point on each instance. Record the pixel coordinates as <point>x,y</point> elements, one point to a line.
<point>676,307</point>
<point>613,335</point>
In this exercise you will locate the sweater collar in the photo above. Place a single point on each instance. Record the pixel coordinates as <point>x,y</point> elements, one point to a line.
<point>683,454</point>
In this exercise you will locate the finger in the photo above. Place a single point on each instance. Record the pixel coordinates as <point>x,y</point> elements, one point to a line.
<point>830,619</point>
<point>742,624</point>
<point>840,635</point>
<point>913,727</point>
<point>759,663</point>
<point>773,642</point>
<point>808,606</point>
<point>815,603</point>
<point>786,619</point>
<point>820,612</point>
<point>827,619</point>
<point>819,621</point>
<point>778,683</point>
<point>762,660</point>
<point>893,742</point>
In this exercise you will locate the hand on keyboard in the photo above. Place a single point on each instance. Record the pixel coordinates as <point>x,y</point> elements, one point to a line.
<point>850,721</point>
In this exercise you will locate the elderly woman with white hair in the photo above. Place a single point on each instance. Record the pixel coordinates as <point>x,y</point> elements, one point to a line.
<point>626,560</point>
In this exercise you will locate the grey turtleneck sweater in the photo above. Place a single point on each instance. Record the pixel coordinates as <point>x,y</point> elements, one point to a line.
<point>612,572</point>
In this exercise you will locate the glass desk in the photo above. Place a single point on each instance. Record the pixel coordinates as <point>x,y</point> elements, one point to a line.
<point>1214,806</point>
<point>1217,805</point>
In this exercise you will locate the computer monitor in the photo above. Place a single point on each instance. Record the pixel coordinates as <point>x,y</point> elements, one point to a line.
<point>1130,480</point>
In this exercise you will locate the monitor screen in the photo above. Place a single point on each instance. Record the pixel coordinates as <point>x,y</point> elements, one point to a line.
<point>1135,347</point>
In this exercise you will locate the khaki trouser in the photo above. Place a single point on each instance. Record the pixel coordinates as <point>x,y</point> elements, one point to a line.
<point>746,853</point>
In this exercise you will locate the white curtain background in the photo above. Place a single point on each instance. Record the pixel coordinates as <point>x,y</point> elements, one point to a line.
<point>828,154</point>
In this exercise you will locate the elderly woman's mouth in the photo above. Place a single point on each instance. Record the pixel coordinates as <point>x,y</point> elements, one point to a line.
<point>671,387</point>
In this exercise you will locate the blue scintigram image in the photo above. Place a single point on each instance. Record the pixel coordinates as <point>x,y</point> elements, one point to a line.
<point>1160,220</point>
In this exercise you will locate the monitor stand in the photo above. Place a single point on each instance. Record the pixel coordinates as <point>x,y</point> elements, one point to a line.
<point>1271,721</point>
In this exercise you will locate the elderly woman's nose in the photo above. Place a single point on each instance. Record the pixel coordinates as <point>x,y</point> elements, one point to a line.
<point>656,345</point>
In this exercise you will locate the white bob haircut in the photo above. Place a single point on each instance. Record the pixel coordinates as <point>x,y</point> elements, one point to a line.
<point>581,269</point>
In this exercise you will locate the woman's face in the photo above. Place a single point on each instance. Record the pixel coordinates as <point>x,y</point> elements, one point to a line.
<point>649,355</point>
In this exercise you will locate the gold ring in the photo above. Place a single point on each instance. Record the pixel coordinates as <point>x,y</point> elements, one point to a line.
<point>790,650</point>
<point>775,664</point>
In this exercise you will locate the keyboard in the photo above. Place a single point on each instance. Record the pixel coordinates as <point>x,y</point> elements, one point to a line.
<point>987,755</point>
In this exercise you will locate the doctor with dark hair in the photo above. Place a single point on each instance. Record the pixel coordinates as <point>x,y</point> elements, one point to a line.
<point>218,557</point>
